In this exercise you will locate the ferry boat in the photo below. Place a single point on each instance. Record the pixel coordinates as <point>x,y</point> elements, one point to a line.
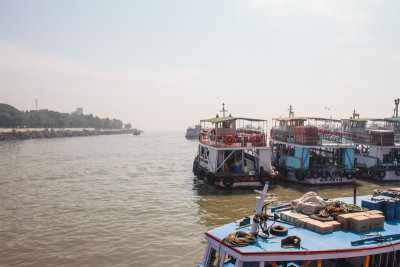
<point>233,152</point>
<point>377,153</point>
<point>193,132</point>
<point>284,236</point>
<point>136,131</point>
<point>300,154</point>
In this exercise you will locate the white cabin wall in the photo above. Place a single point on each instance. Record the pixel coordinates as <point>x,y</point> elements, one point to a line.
<point>265,159</point>
<point>213,160</point>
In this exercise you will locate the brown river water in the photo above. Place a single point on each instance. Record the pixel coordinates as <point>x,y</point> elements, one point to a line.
<point>118,200</point>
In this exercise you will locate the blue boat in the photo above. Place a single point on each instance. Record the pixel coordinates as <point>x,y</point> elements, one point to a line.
<point>302,155</point>
<point>280,237</point>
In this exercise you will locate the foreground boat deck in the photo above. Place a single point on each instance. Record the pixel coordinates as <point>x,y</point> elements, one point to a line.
<point>332,245</point>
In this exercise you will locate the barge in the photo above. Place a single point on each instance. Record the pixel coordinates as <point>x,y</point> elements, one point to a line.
<point>284,236</point>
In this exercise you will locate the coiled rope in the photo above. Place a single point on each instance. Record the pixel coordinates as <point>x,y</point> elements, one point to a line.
<point>239,239</point>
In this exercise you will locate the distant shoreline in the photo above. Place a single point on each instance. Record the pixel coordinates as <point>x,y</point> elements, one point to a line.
<point>7,134</point>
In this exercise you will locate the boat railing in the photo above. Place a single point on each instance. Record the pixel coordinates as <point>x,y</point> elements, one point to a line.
<point>239,139</point>
<point>368,138</point>
<point>301,139</point>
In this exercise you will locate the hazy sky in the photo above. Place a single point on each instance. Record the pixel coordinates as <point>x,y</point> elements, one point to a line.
<point>168,64</point>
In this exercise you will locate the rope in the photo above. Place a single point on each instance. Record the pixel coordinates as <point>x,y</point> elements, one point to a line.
<point>239,239</point>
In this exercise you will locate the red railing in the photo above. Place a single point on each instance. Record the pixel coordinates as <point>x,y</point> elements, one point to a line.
<point>241,139</point>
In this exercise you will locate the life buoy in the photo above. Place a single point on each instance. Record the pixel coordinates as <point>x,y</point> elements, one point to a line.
<point>397,172</point>
<point>371,172</point>
<point>200,173</point>
<point>278,230</point>
<point>334,173</point>
<point>324,174</point>
<point>261,179</point>
<point>211,178</point>
<point>284,171</point>
<point>309,174</point>
<point>256,140</point>
<point>381,174</point>
<point>299,174</point>
<point>229,140</point>
<point>350,175</point>
<point>228,182</point>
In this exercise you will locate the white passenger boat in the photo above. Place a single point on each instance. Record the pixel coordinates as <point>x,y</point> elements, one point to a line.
<point>301,155</point>
<point>377,150</point>
<point>286,236</point>
<point>193,132</point>
<point>233,152</point>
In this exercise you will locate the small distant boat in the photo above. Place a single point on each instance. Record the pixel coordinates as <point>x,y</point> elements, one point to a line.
<point>193,132</point>
<point>340,232</point>
<point>137,131</point>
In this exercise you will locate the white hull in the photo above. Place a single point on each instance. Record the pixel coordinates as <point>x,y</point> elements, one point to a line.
<point>318,181</point>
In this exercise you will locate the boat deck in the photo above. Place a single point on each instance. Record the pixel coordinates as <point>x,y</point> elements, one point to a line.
<point>335,243</point>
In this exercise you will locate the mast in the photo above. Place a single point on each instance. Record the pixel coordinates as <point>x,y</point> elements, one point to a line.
<point>223,110</point>
<point>260,204</point>
<point>291,112</point>
<point>355,114</point>
<point>396,109</point>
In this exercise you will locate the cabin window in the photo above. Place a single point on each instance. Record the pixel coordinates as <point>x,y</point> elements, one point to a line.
<point>216,258</point>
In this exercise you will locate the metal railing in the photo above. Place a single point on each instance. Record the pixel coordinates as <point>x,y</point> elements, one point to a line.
<point>241,139</point>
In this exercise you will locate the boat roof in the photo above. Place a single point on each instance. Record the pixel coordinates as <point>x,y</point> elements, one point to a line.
<point>304,119</point>
<point>325,144</point>
<point>312,242</point>
<point>367,119</point>
<point>222,119</point>
<point>393,119</point>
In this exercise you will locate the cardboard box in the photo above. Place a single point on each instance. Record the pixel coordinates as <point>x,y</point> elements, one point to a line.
<point>323,227</point>
<point>376,221</point>
<point>292,216</point>
<point>335,225</point>
<point>359,224</point>
<point>375,212</point>
<point>344,219</point>
<point>306,223</point>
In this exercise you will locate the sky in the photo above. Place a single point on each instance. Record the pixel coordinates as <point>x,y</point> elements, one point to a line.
<point>164,65</point>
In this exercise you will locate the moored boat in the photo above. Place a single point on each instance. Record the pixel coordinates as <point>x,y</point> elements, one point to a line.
<point>193,132</point>
<point>233,152</point>
<point>289,236</point>
<point>302,155</point>
<point>377,153</point>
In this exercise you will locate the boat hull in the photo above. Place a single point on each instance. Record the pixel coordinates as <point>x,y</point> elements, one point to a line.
<point>233,180</point>
<point>317,181</point>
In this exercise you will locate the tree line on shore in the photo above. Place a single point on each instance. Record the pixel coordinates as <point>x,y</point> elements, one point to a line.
<point>10,117</point>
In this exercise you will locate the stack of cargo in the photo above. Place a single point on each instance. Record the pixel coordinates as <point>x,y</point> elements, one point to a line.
<point>305,221</point>
<point>362,221</point>
<point>390,207</point>
<point>382,137</point>
<point>306,135</point>
<point>356,221</point>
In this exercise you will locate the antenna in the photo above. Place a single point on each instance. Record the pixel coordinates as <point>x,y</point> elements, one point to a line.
<point>36,103</point>
<point>356,114</point>
<point>396,109</point>
<point>223,110</point>
<point>291,112</point>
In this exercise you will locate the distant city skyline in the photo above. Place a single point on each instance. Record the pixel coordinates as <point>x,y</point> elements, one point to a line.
<point>164,65</point>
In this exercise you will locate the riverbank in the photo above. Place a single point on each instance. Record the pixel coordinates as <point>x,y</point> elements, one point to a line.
<point>23,134</point>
